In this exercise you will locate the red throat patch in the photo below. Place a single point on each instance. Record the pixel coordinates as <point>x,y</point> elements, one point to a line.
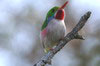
<point>60,14</point>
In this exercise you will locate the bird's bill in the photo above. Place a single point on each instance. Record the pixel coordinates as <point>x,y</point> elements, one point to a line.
<point>63,6</point>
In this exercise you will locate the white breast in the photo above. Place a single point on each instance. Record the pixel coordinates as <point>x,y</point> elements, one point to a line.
<point>56,30</point>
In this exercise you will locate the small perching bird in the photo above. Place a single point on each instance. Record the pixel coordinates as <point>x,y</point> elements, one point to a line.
<point>53,28</point>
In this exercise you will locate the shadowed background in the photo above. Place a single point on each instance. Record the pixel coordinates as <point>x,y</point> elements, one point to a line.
<point>20,24</point>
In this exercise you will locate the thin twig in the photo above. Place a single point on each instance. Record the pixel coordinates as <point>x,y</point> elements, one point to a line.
<point>70,36</point>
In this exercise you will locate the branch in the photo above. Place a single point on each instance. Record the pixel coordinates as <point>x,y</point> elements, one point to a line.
<point>70,36</point>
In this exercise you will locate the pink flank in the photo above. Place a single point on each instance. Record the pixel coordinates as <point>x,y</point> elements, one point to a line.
<point>44,32</point>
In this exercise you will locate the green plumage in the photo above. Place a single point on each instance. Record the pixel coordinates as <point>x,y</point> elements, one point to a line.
<point>50,13</point>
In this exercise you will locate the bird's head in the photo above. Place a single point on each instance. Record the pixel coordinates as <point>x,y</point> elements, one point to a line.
<point>56,12</point>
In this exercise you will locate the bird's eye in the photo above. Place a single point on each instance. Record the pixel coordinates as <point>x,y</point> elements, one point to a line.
<point>53,10</point>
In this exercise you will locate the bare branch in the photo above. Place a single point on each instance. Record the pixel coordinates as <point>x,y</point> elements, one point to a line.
<point>70,36</point>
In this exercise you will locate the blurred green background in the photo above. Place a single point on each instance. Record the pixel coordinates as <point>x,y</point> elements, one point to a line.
<point>20,23</point>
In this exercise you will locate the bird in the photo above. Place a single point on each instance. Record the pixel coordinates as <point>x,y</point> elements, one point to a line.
<point>53,29</point>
